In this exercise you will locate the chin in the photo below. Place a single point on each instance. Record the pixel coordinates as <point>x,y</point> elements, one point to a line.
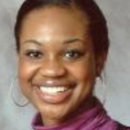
<point>55,113</point>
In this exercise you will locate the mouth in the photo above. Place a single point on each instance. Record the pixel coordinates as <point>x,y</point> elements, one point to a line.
<point>54,94</point>
<point>54,89</point>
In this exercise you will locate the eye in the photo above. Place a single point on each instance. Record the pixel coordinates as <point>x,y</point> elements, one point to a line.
<point>34,54</point>
<point>73,54</point>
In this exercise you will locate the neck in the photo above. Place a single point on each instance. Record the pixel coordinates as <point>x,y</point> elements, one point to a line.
<point>86,105</point>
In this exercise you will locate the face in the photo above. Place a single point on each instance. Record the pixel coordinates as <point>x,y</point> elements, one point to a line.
<point>56,62</point>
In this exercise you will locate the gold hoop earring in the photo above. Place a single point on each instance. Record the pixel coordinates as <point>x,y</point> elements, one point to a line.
<point>16,95</point>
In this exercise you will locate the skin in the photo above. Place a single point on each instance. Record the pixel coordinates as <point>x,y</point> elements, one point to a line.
<point>57,50</point>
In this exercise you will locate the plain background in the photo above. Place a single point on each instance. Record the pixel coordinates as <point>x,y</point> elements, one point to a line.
<point>117,13</point>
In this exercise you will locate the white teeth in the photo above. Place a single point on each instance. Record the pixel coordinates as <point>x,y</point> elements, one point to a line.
<point>52,90</point>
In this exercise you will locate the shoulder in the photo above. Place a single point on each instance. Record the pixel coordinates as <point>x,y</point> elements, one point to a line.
<point>122,127</point>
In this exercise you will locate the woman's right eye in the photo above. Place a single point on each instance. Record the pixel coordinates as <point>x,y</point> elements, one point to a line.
<point>34,54</point>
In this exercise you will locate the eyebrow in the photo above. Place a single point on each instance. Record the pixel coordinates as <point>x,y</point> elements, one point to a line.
<point>69,41</point>
<point>72,40</point>
<point>33,41</point>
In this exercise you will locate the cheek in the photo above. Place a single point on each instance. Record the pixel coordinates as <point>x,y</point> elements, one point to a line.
<point>83,70</point>
<point>26,72</point>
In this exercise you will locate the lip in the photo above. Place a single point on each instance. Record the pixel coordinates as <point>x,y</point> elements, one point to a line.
<point>58,97</point>
<point>53,83</point>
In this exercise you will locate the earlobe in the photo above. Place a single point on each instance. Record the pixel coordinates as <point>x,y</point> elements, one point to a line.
<point>100,63</point>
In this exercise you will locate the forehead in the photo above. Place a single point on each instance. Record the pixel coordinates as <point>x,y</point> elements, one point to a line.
<point>57,11</point>
<point>55,20</point>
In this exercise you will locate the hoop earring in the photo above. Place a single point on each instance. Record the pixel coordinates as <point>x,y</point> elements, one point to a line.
<point>104,86</point>
<point>101,85</point>
<point>16,95</point>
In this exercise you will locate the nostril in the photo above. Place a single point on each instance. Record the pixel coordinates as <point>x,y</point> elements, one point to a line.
<point>52,69</point>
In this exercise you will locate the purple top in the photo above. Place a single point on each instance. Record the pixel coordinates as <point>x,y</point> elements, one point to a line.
<point>93,119</point>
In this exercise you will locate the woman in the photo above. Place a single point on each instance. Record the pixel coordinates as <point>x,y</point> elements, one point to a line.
<point>62,47</point>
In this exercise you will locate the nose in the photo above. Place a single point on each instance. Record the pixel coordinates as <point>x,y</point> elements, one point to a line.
<point>52,68</point>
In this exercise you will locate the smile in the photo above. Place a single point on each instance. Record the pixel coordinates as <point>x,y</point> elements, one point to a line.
<point>54,94</point>
<point>54,89</point>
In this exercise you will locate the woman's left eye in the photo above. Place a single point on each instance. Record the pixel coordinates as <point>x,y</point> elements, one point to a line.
<point>73,54</point>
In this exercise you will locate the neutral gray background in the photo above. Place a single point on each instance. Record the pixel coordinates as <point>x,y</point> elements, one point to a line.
<point>117,103</point>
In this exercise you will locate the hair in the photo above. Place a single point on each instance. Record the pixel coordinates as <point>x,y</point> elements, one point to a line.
<point>98,24</point>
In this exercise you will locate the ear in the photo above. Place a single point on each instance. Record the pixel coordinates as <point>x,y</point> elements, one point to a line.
<point>100,62</point>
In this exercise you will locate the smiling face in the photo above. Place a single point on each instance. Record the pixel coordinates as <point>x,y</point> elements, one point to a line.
<point>56,62</point>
